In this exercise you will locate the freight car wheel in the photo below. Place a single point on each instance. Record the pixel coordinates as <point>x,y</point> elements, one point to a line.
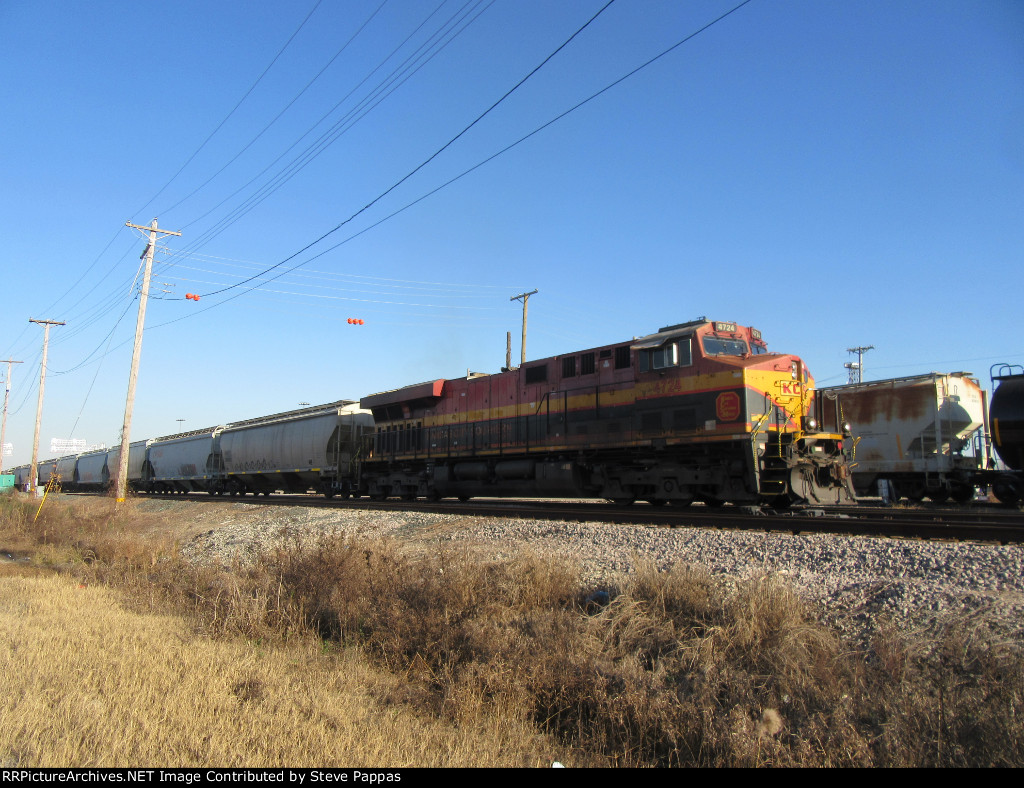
<point>962,493</point>
<point>938,494</point>
<point>915,491</point>
<point>1007,489</point>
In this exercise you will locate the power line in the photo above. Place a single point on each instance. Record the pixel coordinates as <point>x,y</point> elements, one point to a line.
<point>434,155</point>
<point>232,112</point>
<point>450,181</point>
<point>401,74</point>
<point>279,114</point>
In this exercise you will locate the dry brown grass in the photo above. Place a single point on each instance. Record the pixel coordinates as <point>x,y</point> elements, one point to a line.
<point>88,683</point>
<point>672,669</point>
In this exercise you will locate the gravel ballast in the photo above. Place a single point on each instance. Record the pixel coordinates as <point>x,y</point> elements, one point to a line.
<point>857,582</point>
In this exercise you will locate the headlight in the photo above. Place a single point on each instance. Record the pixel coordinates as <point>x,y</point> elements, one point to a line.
<point>811,423</point>
<point>846,427</point>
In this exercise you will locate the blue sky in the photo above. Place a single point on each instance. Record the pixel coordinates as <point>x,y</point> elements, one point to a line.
<point>834,174</point>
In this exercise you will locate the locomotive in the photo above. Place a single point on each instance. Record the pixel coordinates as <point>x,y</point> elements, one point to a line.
<point>697,411</point>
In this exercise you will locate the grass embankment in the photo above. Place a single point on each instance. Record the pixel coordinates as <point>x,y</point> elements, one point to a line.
<point>450,660</point>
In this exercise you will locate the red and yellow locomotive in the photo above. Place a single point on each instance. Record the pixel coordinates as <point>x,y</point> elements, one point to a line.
<point>698,411</point>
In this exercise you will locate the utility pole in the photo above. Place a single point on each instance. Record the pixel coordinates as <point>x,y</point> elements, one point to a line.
<point>526,298</point>
<point>7,397</point>
<point>34,472</point>
<point>857,370</point>
<point>140,323</point>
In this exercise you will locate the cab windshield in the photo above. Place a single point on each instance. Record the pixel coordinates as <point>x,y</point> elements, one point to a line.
<point>720,346</point>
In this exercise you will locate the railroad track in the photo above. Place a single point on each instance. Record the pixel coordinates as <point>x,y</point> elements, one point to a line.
<point>983,523</point>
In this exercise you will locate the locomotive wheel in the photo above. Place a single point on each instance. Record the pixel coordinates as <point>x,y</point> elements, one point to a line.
<point>938,494</point>
<point>714,503</point>
<point>656,501</point>
<point>623,501</point>
<point>681,501</point>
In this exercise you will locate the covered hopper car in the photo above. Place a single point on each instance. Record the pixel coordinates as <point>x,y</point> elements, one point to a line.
<point>923,435</point>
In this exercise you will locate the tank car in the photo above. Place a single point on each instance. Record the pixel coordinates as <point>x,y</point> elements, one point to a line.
<point>1007,419</point>
<point>923,434</point>
<point>697,411</point>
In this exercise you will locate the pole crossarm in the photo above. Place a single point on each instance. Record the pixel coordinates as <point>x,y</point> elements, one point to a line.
<point>525,297</point>
<point>151,228</point>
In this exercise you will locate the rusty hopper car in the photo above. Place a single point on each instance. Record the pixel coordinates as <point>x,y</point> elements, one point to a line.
<point>310,449</point>
<point>923,434</point>
<point>697,411</point>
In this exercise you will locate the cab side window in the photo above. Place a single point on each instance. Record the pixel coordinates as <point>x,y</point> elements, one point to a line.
<point>671,354</point>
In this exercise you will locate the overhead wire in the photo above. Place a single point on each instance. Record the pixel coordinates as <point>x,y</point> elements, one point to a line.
<point>434,155</point>
<point>646,64</point>
<point>426,52</point>
<point>279,114</point>
<point>233,109</point>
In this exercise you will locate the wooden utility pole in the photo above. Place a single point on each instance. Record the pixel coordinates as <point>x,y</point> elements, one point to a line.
<point>525,297</point>
<point>140,323</point>
<point>34,472</point>
<point>857,372</point>
<point>7,397</point>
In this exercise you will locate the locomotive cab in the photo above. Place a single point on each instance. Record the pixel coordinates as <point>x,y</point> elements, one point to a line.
<point>738,392</point>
